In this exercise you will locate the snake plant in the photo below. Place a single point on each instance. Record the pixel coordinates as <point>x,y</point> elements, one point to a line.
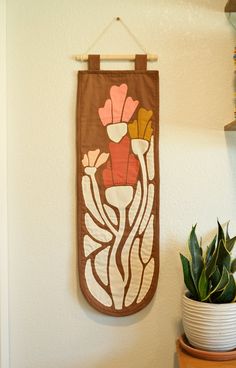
<point>208,274</point>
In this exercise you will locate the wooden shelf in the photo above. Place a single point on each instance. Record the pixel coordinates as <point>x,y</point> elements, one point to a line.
<point>231,126</point>
<point>187,361</point>
<point>230,6</point>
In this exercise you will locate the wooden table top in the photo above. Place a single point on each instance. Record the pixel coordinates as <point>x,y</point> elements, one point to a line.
<point>187,361</point>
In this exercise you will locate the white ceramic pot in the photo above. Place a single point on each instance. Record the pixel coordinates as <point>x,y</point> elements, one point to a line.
<point>210,326</point>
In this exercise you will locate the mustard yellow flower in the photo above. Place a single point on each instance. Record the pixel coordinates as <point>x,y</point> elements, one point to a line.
<point>141,128</point>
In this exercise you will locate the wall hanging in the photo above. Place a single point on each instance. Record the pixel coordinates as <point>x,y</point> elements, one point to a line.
<point>118,186</point>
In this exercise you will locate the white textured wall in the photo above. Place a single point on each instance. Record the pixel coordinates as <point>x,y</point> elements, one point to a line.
<point>51,326</point>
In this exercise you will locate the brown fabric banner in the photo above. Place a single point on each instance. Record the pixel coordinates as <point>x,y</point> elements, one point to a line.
<point>118,186</point>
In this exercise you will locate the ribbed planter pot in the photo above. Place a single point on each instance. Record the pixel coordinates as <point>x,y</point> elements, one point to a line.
<point>209,326</point>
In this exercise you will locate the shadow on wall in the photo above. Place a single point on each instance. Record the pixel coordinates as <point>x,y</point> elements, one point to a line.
<point>166,323</point>
<point>212,5</point>
<point>231,145</point>
<point>162,349</point>
<point>216,5</point>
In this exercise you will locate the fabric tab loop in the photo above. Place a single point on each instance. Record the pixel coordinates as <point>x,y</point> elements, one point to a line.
<point>141,62</point>
<point>93,62</point>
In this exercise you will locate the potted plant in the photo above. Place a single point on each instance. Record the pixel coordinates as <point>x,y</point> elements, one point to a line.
<point>209,308</point>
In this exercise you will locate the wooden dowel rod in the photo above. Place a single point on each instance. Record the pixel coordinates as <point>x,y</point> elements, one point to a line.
<point>150,57</point>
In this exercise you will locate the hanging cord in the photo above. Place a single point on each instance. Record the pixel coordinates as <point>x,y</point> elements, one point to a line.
<point>100,36</point>
<point>84,57</point>
<point>132,35</point>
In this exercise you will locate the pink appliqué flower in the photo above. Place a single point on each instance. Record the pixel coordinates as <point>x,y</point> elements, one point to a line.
<point>122,167</point>
<point>118,108</point>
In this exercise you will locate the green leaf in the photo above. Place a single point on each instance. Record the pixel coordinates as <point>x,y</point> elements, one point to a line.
<point>233,266</point>
<point>223,280</point>
<point>221,235</point>
<point>227,231</point>
<point>228,293</point>
<point>215,278</point>
<point>230,243</point>
<point>223,258</point>
<point>210,250</point>
<point>188,277</point>
<point>203,285</point>
<point>200,245</point>
<point>211,267</point>
<point>196,257</point>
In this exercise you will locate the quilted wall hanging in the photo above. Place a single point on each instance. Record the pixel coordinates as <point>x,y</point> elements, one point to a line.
<point>118,186</point>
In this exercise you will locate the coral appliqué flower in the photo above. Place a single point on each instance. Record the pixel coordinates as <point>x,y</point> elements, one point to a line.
<point>123,167</point>
<point>93,160</point>
<point>117,111</point>
<point>120,174</point>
